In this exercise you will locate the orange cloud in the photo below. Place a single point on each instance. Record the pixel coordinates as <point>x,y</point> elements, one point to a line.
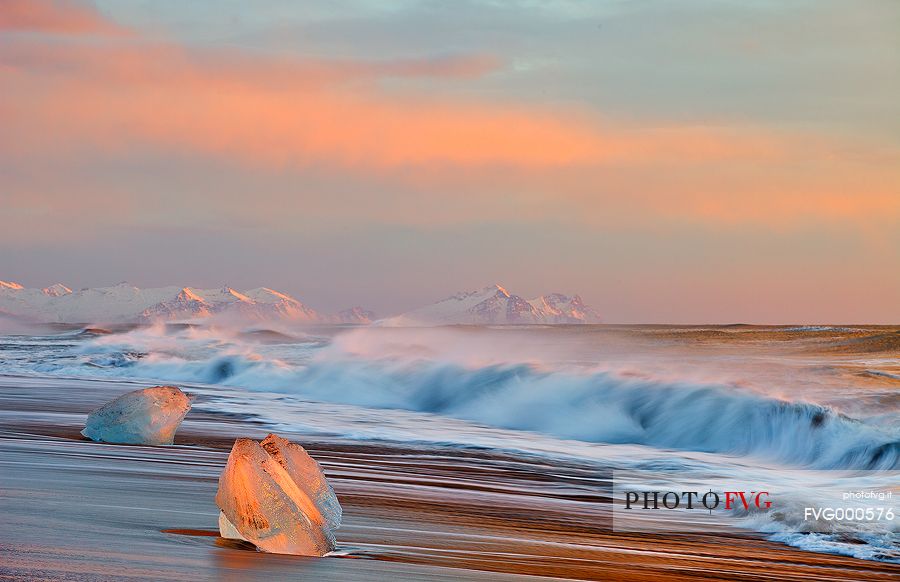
<point>294,112</point>
<point>68,100</point>
<point>851,197</point>
<point>275,113</point>
<point>55,16</point>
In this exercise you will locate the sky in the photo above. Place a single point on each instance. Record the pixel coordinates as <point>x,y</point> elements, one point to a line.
<point>671,162</point>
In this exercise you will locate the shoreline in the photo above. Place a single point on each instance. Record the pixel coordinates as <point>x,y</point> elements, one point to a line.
<point>76,509</point>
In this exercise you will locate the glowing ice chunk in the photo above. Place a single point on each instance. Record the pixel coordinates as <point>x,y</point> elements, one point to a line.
<point>276,497</point>
<point>227,529</point>
<point>143,417</point>
<point>308,475</point>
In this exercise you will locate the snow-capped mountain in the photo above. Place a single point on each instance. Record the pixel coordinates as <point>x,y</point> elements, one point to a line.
<point>186,305</point>
<point>496,305</point>
<point>57,290</point>
<point>127,303</point>
<point>559,308</point>
<point>355,315</point>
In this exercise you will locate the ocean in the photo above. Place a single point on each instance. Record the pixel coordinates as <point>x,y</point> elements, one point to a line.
<point>813,410</point>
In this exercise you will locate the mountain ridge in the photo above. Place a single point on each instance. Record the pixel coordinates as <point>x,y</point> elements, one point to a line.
<point>495,305</point>
<point>126,303</point>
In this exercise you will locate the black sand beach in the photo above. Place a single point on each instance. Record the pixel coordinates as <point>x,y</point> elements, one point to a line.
<point>78,510</point>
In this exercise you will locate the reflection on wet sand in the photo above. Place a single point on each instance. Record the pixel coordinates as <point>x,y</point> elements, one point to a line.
<point>81,510</point>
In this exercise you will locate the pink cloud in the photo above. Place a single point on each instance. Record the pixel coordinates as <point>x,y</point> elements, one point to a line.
<point>310,112</point>
<point>54,16</point>
<point>67,100</point>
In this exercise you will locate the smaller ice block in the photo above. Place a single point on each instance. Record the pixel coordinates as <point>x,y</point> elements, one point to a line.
<point>144,417</point>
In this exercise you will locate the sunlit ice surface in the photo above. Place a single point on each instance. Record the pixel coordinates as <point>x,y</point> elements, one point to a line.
<point>273,494</point>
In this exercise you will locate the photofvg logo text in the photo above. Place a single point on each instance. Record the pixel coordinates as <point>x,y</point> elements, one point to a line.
<point>708,501</point>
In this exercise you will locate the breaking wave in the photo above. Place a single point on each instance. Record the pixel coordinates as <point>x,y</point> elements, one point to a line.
<point>548,381</point>
<point>593,406</point>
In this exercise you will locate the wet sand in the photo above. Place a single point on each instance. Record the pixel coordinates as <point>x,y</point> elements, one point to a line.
<point>77,510</point>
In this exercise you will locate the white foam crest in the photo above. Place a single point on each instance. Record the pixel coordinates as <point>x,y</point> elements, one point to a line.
<point>567,402</point>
